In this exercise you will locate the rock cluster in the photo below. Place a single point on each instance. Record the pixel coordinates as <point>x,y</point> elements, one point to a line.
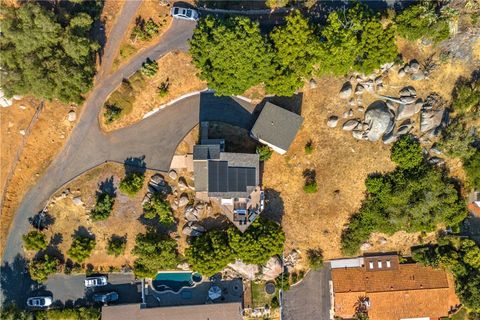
<point>412,69</point>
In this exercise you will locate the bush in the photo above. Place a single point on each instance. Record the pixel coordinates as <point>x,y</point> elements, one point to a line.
<point>264,152</point>
<point>283,281</point>
<point>158,207</point>
<point>149,68</point>
<point>144,30</point>
<point>112,113</point>
<point>103,207</point>
<point>154,253</point>
<point>310,187</point>
<point>116,245</point>
<point>310,181</point>
<point>315,259</point>
<point>81,248</point>
<point>275,304</point>
<point>309,147</point>
<point>162,90</point>
<point>276,3</point>
<point>132,183</point>
<point>34,240</point>
<point>407,152</point>
<point>467,97</point>
<point>422,21</point>
<point>457,141</point>
<point>78,313</point>
<point>472,169</point>
<point>40,269</point>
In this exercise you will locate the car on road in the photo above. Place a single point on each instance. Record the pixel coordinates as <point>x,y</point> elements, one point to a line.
<point>105,297</point>
<point>184,13</point>
<point>96,281</point>
<point>40,302</point>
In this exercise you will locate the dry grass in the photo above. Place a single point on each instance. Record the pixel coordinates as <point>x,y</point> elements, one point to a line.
<point>148,9</point>
<point>174,68</point>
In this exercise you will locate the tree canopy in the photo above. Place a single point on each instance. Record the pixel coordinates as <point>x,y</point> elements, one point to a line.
<point>34,240</point>
<point>81,248</point>
<point>45,54</point>
<point>158,207</point>
<point>40,269</point>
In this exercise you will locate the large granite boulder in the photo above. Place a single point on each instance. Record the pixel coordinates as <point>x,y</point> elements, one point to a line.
<point>379,119</point>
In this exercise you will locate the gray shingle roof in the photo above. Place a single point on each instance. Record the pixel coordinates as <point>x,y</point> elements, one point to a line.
<point>277,126</point>
<point>205,152</point>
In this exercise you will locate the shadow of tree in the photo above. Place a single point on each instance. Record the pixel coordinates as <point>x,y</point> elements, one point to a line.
<point>83,232</point>
<point>274,206</point>
<point>135,164</point>
<point>41,220</point>
<point>107,186</point>
<point>16,283</point>
<point>310,176</point>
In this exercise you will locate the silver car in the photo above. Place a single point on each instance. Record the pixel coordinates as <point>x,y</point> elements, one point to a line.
<point>40,302</point>
<point>96,281</point>
<point>184,13</point>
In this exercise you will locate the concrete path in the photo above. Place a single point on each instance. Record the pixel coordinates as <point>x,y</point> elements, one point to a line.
<point>310,299</point>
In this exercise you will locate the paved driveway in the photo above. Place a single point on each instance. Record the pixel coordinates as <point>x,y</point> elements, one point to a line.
<point>310,299</point>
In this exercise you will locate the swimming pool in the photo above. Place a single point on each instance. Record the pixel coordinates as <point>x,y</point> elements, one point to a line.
<point>175,281</point>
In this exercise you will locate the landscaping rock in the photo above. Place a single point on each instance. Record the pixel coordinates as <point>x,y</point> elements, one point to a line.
<point>332,121</point>
<point>346,90</point>
<point>407,100</point>
<point>182,184</point>
<point>22,132</point>
<point>350,125</point>
<point>184,266</point>
<point>272,269</point>
<point>365,246</point>
<point>436,161</point>
<point>358,134</point>
<point>183,201</point>
<point>414,66</point>
<point>401,73</point>
<point>361,109</point>
<point>351,102</point>
<point>191,214</point>
<point>77,201</point>
<point>313,84</point>
<point>418,76</point>
<point>172,174</point>
<point>405,111</point>
<point>405,127</point>
<point>379,119</point>
<point>382,241</point>
<point>431,120</point>
<point>359,89</point>
<point>247,271</point>
<point>72,116</point>
<point>157,179</point>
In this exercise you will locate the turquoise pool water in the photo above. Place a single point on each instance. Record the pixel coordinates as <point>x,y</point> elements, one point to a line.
<point>175,281</point>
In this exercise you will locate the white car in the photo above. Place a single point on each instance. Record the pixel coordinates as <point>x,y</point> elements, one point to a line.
<point>96,281</point>
<point>184,13</point>
<point>39,302</point>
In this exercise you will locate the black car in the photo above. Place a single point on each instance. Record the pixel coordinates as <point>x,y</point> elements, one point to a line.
<point>105,297</point>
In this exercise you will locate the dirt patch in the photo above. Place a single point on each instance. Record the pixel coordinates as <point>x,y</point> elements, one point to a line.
<point>175,69</point>
<point>47,136</point>
<point>148,10</point>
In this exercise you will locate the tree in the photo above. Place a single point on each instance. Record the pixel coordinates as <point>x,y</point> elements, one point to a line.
<point>149,68</point>
<point>295,50</point>
<point>103,207</point>
<point>116,245</point>
<point>467,96</point>
<point>264,152</point>
<point>472,169</point>
<point>144,30</point>
<point>315,259</point>
<point>40,269</point>
<point>81,248</point>
<point>132,183</point>
<point>77,313</point>
<point>34,240</point>
<point>158,207</point>
<point>407,152</point>
<point>154,253</point>
<point>422,21</point>
<point>457,141</point>
<point>46,55</point>
<point>231,54</point>
<point>112,113</point>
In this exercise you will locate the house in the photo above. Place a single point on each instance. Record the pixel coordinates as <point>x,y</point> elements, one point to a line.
<point>474,205</point>
<point>223,311</point>
<point>389,290</point>
<point>276,127</point>
<point>229,179</point>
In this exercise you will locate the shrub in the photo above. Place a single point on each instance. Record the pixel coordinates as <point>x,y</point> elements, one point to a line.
<point>40,269</point>
<point>103,207</point>
<point>149,68</point>
<point>310,181</point>
<point>78,313</point>
<point>276,3</point>
<point>407,152</point>
<point>472,169</point>
<point>310,187</point>
<point>315,259</point>
<point>275,303</point>
<point>283,281</point>
<point>158,207</point>
<point>467,97</point>
<point>144,30</point>
<point>112,113</point>
<point>116,245</point>
<point>264,152</point>
<point>457,141</point>
<point>81,248</point>
<point>309,147</point>
<point>162,90</point>
<point>34,240</point>
<point>132,183</point>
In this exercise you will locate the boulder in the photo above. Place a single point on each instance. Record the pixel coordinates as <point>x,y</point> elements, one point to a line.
<point>183,201</point>
<point>182,183</point>
<point>172,174</point>
<point>365,246</point>
<point>414,66</point>
<point>418,76</point>
<point>350,124</point>
<point>407,69</point>
<point>431,119</point>
<point>379,119</point>
<point>380,87</point>
<point>22,132</point>
<point>436,161</point>
<point>351,102</point>
<point>358,134</point>
<point>72,116</point>
<point>272,269</point>
<point>332,121</point>
<point>408,91</point>
<point>359,101</point>
<point>401,73</point>
<point>183,266</point>
<point>378,80</point>
<point>405,111</point>
<point>359,89</point>
<point>418,105</point>
<point>191,214</point>
<point>77,201</point>
<point>405,127</point>
<point>408,100</point>
<point>361,109</point>
<point>247,271</point>
<point>312,83</point>
<point>157,178</point>
<point>382,241</point>
<point>346,90</point>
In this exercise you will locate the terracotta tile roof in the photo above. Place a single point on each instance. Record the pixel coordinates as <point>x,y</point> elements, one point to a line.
<point>474,209</point>
<point>408,292</point>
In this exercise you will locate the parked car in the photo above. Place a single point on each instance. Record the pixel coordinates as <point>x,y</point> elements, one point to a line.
<point>39,302</point>
<point>184,13</point>
<point>105,297</point>
<point>96,281</point>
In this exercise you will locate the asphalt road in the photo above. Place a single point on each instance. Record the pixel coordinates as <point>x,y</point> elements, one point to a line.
<point>310,299</point>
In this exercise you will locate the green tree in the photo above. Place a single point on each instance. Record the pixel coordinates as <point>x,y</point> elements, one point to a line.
<point>231,54</point>
<point>40,269</point>
<point>46,55</point>
<point>422,21</point>
<point>103,207</point>
<point>112,113</point>
<point>472,169</point>
<point>116,245</point>
<point>78,313</point>
<point>132,183</point>
<point>144,30</point>
<point>467,97</point>
<point>315,259</point>
<point>296,50</point>
<point>34,240</point>
<point>407,152</point>
<point>81,248</point>
<point>264,152</point>
<point>154,253</point>
<point>457,141</point>
<point>149,68</point>
<point>158,207</point>
<point>12,313</point>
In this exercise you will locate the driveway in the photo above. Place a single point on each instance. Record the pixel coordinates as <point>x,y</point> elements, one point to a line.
<point>310,299</point>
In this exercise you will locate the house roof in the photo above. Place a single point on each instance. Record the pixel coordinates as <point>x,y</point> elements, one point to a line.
<point>205,152</point>
<point>223,311</point>
<point>277,126</point>
<point>474,209</point>
<point>402,291</point>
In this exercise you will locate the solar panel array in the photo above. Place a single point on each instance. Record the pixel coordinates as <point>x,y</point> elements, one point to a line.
<point>222,178</point>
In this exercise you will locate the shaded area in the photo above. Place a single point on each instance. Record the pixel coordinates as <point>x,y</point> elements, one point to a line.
<point>274,207</point>
<point>15,282</point>
<point>226,109</point>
